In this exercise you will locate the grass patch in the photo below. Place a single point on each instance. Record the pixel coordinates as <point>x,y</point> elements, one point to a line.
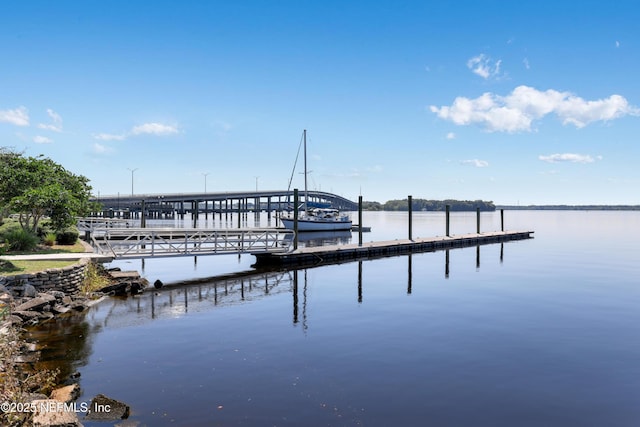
<point>78,247</point>
<point>43,250</point>
<point>26,267</point>
<point>7,267</point>
<point>95,278</point>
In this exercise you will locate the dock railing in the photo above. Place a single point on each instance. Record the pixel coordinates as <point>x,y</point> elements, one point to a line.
<point>163,242</point>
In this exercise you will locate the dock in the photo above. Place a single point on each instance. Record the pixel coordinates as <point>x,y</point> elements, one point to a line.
<point>352,252</point>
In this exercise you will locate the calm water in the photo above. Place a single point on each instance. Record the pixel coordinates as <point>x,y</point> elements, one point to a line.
<point>541,332</point>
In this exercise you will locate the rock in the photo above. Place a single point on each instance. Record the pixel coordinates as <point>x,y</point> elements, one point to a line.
<point>66,394</point>
<point>27,358</point>
<point>59,296</point>
<point>29,291</point>
<point>33,304</point>
<point>136,288</point>
<point>124,275</point>
<point>104,408</point>
<point>46,297</point>
<point>30,346</point>
<point>53,413</point>
<point>78,305</point>
<point>122,288</point>
<point>60,309</point>
<point>13,319</point>
<point>45,315</point>
<point>30,397</point>
<point>25,315</point>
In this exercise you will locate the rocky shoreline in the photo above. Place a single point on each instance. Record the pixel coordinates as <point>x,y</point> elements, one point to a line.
<point>24,301</point>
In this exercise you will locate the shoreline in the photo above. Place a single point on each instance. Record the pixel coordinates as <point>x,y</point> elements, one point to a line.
<point>40,396</point>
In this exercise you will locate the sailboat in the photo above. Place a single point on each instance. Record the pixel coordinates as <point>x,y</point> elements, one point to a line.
<point>316,218</point>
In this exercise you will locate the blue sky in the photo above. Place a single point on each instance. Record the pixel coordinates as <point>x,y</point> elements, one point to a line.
<point>515,102</point>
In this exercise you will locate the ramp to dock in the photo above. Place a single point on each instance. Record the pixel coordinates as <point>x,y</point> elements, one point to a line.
<point>164,242</point>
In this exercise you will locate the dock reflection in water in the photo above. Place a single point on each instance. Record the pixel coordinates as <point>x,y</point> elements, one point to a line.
<point>65,343</point>
<point>322,238</point>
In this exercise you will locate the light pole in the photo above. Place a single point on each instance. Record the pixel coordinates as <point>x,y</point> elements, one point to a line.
<point>257,183</point>
<point>205,182</point>
<point>132,171</point>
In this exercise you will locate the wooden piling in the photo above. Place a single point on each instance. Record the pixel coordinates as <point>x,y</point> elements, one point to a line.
<point>447,207</point>
<point>194,213</point>
<point>295,219</point>
<point>143,215</point>
<point>478,220</point>
<point>410,207</point>
<point>360,220</point>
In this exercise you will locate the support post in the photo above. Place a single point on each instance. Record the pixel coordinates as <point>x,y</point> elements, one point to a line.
<point>359,220</point>
<point>410,202</point>
<point>478,220</point>
<point>502,219</point>
<point>143,215</point>
<point>194,213</point>
<point>447,207</point>
<point>295,219</point>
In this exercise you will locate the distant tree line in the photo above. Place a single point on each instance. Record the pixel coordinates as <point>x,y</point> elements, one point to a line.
<point>430,205</point>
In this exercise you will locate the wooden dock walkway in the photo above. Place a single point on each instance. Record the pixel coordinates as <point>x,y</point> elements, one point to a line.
<point>341,253</point>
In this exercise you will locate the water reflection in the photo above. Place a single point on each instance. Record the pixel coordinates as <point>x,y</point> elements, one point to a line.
<point>66,343</point>
<point>296,320</point>
<point>179,299</point>
<point>322,238</point>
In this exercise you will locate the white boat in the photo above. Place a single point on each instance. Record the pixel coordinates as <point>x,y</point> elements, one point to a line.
<point>316,219</point>
<point>319,219</point>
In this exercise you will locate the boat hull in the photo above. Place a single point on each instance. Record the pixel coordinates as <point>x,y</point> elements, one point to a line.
<point>316,225</point>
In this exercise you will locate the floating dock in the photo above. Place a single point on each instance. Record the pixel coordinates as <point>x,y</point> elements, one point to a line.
<point>352,252</point>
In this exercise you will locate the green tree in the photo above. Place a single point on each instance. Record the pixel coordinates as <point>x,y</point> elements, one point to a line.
<point>39,187</point>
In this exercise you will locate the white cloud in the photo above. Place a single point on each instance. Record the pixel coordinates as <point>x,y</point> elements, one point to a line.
<point>154,129</point>
<point>525,61</point>
<point>567,157</point>
<point>101,149</point>
<point>483,66</point>
<point>451,135</point>
<point>18,116</point>
<point>109,137</point>
<point>475,162</point>
<point>42,140</point>
<point>56,120</point>
<point>157,129</point>
<point>517,111</point>
<point>617,43</point>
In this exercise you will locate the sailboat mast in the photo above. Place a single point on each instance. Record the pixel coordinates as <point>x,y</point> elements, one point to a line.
<point>306,193</point>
